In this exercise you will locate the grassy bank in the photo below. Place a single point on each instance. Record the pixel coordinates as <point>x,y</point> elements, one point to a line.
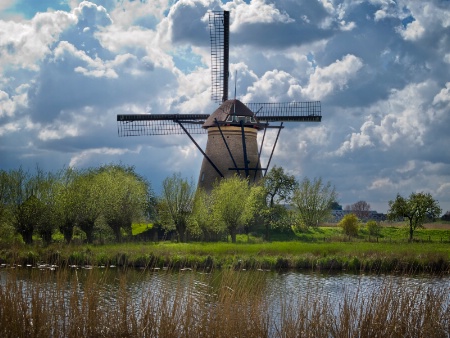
<point>350,256</point>
<point>233,304</point>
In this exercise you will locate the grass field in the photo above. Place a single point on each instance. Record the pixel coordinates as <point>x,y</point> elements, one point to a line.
<point>323,248</point>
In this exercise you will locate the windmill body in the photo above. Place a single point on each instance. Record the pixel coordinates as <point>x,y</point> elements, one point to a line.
<point>232,147</point>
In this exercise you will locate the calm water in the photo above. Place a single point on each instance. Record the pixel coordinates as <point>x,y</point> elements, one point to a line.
<point>284,286</point>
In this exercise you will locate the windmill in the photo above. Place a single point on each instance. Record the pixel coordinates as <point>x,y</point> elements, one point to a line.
<point>232,146</point>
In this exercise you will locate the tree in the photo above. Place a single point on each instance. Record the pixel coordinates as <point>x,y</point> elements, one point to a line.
<point>176,204</point>
<point>68,201</point>
<point>374,227</point>
<point>360,209</point>
<point>446,216</point>
<point>230,204</point>
<point>123,196</point>
<point>313,201</point>
<point>416,209</point>
<point>349,224</point>
<point>25,208</point>
<point>201,221</point>
<point>46,224</point>
<point>86,198</point>
<point>277,191</point>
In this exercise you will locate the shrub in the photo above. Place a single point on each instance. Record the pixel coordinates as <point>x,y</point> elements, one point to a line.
<point>373,227</point>
<point>350,225</point>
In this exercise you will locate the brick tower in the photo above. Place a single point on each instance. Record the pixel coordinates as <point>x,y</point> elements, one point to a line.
<point>232,145</point>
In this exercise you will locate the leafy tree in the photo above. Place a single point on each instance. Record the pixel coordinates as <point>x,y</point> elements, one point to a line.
<point>313,201</point>
<point>230,204</point>
<point>446,216</point>
<point>86,196</point>
<point>67,201</point>
<point>201,221</point>
<point>350,224</point>
<point>4,192</point>
<point>25,208</point>
<point>416,209</point>
<point>336,206</point>
<point>277,191</point>
<point>360,209</point>
<point>176,204</point>
<point>46,224</point>
<point>374,227</point>
<point>123,197</point>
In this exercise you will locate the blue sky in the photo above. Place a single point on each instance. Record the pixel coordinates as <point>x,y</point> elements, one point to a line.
<point>380,68</point>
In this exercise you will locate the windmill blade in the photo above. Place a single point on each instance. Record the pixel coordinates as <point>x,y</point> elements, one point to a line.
<point>287,111</point>
<point>160,124</point>
<point>219,28</point>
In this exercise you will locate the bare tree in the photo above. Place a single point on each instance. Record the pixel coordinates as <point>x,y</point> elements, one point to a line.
<point>361,209</point>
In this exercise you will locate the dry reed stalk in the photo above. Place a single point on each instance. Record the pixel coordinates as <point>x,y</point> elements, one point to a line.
<point>233,304</point>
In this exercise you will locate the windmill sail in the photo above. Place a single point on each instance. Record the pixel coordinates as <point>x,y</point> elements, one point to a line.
<point>160,124</point>
<point>219,26</point>
<point>287,111</point>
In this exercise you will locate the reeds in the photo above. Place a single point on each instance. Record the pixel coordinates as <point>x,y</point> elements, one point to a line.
<point>75,303</point>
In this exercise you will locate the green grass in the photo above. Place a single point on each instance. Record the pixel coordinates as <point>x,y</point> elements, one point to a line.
<point>138,228</point>
<point>355,256</point>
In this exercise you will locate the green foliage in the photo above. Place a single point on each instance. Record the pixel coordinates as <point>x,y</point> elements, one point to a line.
<point>123,197</point>
<point>313,201</point>
<point>373,227</point>
<point>350,225</point>
<point>416,209</point>
<point>230,204</point>
<point>276,191</point>
<point>201,222</point>
<point>176,203</point>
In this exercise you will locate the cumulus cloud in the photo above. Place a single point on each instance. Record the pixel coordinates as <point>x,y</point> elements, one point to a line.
<point>23,44</point>
<point>333,77</point>
<point>380,69</point>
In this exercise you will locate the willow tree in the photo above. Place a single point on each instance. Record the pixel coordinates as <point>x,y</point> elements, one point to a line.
<point>313,200</point>
<point>68,201</point>
<point>416,210</point>
<point>201,221</point>
<point>230,204</point>
<point>86,199</point>
<point>175,204</point>
<point>123,197</point>
<point>25,208</point>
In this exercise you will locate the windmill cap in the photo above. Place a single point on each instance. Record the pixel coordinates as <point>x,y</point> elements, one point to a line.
<point>230,108</point>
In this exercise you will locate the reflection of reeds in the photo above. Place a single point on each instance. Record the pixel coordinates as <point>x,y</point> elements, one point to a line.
<point>228,304</point>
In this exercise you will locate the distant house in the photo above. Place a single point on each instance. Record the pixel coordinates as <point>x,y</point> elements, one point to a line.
<point>337,215</point>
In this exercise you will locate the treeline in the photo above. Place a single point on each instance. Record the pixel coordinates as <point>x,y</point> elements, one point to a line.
<point>107,200</point>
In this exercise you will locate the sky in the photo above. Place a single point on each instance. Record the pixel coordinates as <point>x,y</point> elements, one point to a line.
<point>381,69</point>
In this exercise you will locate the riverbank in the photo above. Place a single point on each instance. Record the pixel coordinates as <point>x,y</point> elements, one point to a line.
<point>336,256</point>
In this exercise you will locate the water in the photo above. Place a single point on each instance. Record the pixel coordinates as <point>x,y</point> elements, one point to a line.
<point>281,290</point>
<point>283,285</point>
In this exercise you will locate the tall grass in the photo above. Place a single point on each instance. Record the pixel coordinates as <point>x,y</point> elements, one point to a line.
<point>232,304</point>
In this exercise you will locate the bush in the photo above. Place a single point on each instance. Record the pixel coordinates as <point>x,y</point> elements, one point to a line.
<point>373,227</point>
<point>350,225</point>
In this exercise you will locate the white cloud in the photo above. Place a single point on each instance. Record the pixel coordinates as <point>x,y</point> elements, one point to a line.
<point>413,31</point>
<point>334,77</point>
<point>385,99</point>
<point>257,11</point>
<point>24,44</point>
